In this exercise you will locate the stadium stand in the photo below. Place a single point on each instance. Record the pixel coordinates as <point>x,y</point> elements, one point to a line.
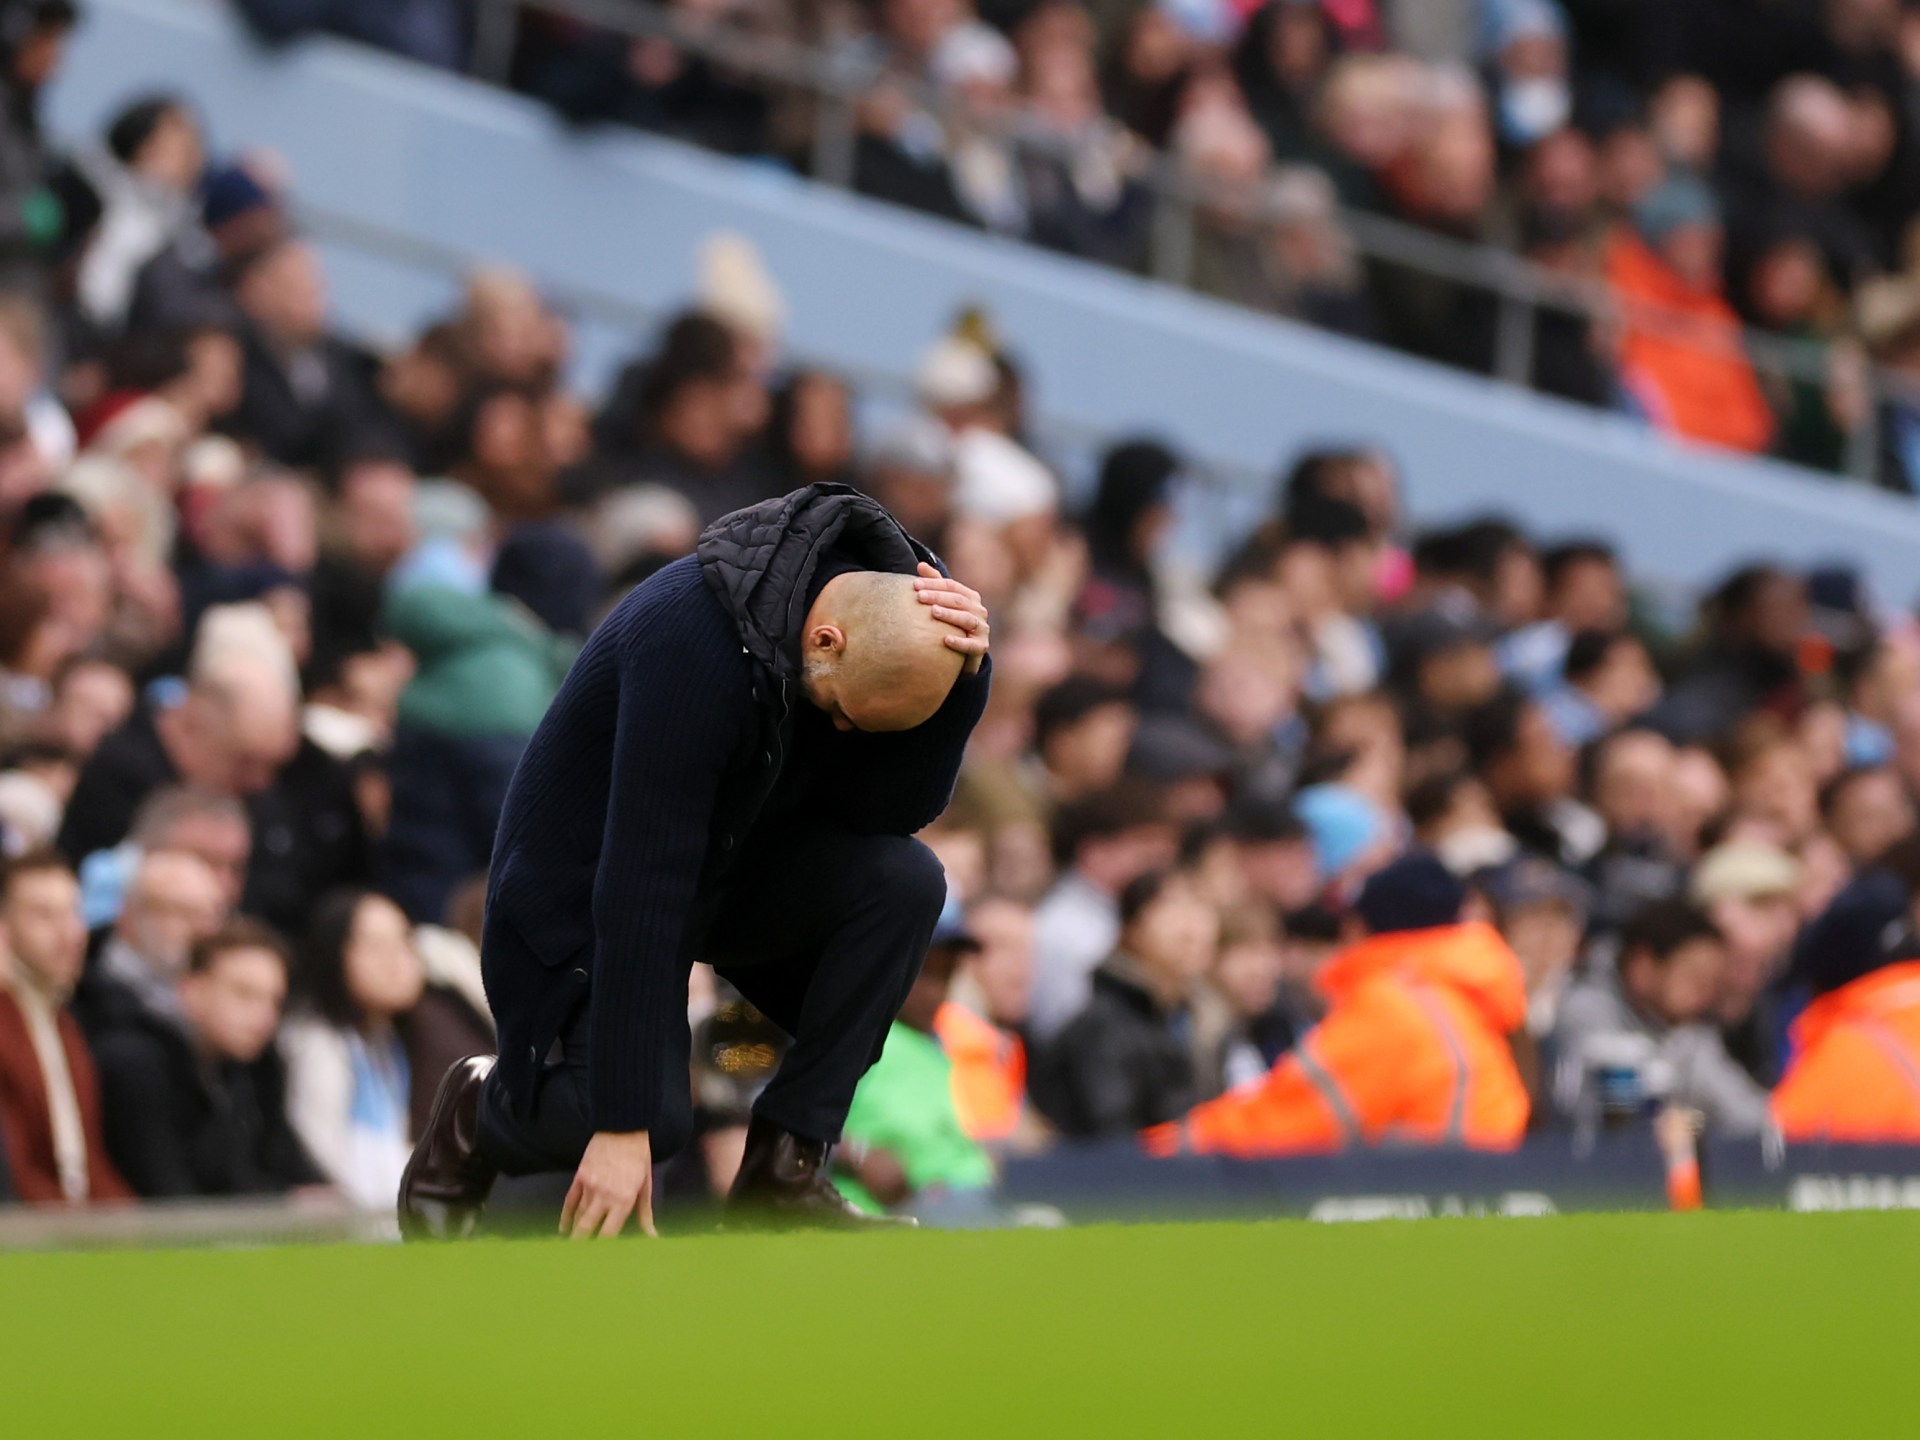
<point>286,585</point>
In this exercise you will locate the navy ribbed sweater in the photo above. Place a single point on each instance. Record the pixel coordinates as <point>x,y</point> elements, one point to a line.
<point>629,796</point>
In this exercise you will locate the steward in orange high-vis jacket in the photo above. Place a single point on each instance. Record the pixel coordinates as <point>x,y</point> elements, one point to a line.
<point>1413,1049</point>
<point>1855,1072</point>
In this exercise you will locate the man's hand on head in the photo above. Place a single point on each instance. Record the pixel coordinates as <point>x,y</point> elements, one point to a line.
<point>954,604</point>
<point>615,1180</point>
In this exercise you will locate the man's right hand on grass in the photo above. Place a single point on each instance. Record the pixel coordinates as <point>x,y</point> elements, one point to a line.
<point>615,1179</point>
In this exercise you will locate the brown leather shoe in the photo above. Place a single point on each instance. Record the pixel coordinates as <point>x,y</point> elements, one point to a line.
<point>447,1180</point>
<point>783,1185</point>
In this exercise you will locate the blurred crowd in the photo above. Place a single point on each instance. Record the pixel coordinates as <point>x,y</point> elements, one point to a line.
<point>1374,835</point>
<point>1675,168</point>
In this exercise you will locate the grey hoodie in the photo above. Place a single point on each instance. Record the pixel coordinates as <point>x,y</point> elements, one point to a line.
<point>1688,1065</point>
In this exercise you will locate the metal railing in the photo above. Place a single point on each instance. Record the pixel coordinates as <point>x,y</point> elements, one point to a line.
<point>835,83</point>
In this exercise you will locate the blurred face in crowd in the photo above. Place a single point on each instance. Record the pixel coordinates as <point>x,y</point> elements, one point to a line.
<point>1821,734</point>
<point>1248,694</point>
<point>175,900</point>
<point>1630,166</point>
<point>1681,989</point>
<point>1003,966</point>
<point>1588,595</point>
<point>1088,754</point>
<point>509,461</point>
<point>1112,862</point>
<point>962,853</point>
<point>1280,872</point>
<point>1634,782</point>
<point>1699,793</point>
<point>233,738</point>
<point>1625,683</point>
<point>41,926</point>
<point>1459,676</point>
<point>1825,869</point>
<point>1787,285</point>
<point>383,970</point>
<point>376,512</point>
<point>1685,115</point>
<point>172,155</point>
<point>914,27</point>
<point>1693,251</point>
<point>1364,111</point>
<point>1758,930</point>
<point>1870,811</point>
<point>511,339</point>
<point>1539,768</point>
<point>1546,936</point>
<point>285,294</point>
<point>1248,975</point>
<point>92,700</point>
<point>931,987</point>
<point>213,380</point>
<point>1889,678</point>
<point>220,842</point>
<point>820,428</point>
<point>1776,616</point>
<point>1777,788</point>
<point>234,1004</point>
<point>1174,938</point>
<point>39,55</point>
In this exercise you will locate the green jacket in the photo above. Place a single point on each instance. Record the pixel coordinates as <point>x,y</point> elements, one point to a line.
<point>905,1105</point>
<point>486,666</point>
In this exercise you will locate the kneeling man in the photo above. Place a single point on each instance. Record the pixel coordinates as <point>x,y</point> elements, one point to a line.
<point>732,772</point>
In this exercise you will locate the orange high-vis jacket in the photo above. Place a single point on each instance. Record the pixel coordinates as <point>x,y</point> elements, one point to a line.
<point>989,1072</point>
<point>1856,1072</point>
<point>1413,1051</point>
<point>1682,352</point>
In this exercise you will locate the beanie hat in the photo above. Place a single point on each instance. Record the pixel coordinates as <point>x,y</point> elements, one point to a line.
<point>1415,892</point>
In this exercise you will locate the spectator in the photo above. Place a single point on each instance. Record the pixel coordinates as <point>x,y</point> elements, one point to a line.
<point>1855,1043</point>
<point>232,732</point>
<point>1748,661</point>
<point>1610,680</point>
<point>175,901</point>
<point>486,671</point>
<point>1645,1033</point>
<point>309,396</point>
<point>146,175</point>
<point>1681,357</point>
<point>49,1091</point>
<point>1866,809</point>
<point>1102,844</point>
<point>30,215</point>
<point>1529,773</point>
<point>1413,1049</point>
<point>348,1077</point>
<point>908,1148</point>
<point>1130,1059</point>
<point>981,1026</point>
<point>685,419</point>
<point>195,1096</point>
<point>1751,889</point>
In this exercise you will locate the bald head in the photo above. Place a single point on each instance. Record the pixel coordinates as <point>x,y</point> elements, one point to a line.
<point>876,658</point>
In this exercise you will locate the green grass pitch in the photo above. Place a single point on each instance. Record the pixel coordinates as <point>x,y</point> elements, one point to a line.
<point>1630,1326</point>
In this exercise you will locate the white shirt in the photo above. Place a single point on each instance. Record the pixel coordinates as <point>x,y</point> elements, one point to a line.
<point>1074,928</point>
